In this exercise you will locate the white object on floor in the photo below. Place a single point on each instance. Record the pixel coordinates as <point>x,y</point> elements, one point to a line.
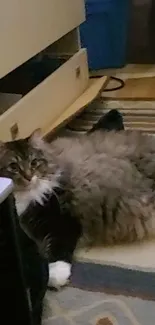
<point>6,187</point>
<point>59,274</point>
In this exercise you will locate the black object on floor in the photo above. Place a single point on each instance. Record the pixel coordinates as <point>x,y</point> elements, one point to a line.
<point>22,271</point>
<point>113,120</point>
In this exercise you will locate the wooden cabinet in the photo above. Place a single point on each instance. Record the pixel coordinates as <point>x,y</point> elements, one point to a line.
<point>28,27</point>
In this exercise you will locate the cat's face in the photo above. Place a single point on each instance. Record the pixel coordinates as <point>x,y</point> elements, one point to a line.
<point>23,161</point>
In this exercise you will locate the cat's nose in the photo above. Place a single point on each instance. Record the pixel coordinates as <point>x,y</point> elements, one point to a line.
<point>28,175</point>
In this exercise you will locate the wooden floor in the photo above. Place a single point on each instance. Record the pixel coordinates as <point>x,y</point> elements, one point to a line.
<point>134,89</point>
<point>139,81</point>
<point>129,71</point>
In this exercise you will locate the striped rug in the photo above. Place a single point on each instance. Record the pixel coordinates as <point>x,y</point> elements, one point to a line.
<point>138,115</point>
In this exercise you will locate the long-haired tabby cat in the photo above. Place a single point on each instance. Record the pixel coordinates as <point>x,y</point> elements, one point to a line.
<point>99,187</point>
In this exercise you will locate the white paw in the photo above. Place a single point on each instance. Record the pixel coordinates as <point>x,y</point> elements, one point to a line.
<point>59,273</point>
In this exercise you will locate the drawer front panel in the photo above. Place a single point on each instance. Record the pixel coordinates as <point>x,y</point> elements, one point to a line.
<point>45,103</point>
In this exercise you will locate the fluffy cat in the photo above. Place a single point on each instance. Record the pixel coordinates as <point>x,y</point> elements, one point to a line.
<point>36,190</point>
<point>99,187</point>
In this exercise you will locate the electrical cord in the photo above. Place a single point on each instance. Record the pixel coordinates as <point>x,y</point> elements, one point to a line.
<point>120,81</point>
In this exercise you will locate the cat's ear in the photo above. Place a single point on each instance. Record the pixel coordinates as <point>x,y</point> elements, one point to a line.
<point>35,139</point>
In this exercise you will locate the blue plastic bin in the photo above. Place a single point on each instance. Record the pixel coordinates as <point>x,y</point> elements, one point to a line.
<point>104,33</point>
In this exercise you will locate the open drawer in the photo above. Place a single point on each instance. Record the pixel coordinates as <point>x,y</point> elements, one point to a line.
<point>29,26</point>
<point>94,89</point>
<point>47,101</point>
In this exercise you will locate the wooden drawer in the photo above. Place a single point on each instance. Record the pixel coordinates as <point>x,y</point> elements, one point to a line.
<point>29,26</point>
<point>46,102</point>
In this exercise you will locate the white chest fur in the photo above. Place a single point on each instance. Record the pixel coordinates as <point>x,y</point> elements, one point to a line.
<point>35,193</point>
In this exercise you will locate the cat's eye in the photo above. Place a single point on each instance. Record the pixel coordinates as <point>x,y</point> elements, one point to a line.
<point>13,167</point>
<point>34,163</point>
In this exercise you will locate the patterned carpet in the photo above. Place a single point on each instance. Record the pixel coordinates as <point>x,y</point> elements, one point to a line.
<point>103,295</point>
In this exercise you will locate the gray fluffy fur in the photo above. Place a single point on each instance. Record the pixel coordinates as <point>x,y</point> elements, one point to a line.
<point>109,184</point>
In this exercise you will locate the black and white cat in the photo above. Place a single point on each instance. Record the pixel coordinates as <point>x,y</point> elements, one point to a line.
<point>61,193</point>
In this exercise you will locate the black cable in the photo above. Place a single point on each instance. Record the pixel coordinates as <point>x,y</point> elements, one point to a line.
<point>121,82</point>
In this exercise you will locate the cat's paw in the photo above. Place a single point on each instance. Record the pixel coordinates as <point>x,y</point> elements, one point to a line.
<point>59,274</point>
